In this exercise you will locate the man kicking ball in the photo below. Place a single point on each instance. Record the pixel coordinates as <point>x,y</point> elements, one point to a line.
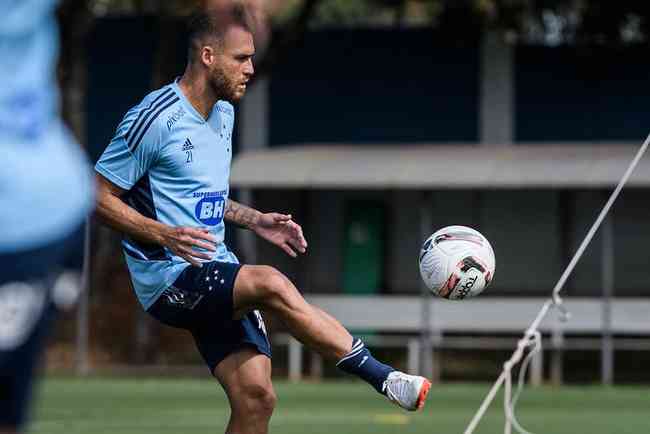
<point>163,183</point>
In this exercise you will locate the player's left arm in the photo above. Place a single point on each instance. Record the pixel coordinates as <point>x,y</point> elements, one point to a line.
<point>278,229</point>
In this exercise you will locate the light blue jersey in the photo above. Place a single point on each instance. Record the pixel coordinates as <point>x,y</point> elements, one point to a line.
<point>176,167</point>
<point>45,182</point>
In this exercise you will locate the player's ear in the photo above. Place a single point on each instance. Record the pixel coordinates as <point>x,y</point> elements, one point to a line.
<point>207,55</point>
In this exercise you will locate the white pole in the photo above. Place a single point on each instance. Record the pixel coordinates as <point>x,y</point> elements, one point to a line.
<point>253,135</point>
<point>496,109</point>
<point>82,365</point>
<point>426,345</point>
<point>607,349</point>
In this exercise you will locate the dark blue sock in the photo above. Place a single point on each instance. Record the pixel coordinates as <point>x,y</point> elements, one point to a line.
<point>360,362</point>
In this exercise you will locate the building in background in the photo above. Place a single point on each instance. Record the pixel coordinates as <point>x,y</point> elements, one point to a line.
<point>356,131</point>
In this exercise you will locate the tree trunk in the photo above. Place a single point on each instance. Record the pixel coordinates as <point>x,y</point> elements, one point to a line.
<point>75,20</point>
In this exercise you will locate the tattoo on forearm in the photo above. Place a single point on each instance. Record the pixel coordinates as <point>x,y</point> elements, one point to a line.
<point>240,215</point>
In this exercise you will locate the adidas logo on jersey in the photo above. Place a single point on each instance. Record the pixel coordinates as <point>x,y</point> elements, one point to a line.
<point>188,145</point>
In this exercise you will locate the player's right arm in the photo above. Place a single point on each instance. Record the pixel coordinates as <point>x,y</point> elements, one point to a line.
<point>121,217</point>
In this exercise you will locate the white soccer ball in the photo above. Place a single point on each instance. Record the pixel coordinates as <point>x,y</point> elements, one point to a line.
<point>457,262</point>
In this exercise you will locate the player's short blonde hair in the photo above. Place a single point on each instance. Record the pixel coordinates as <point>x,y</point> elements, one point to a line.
<point>212,22</point>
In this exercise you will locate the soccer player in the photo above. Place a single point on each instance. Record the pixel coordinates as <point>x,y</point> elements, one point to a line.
<point>163,182</point>
<point>45,193</point>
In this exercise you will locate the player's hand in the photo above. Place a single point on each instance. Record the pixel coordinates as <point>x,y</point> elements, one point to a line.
<point>183,241</point>
<point>280,230</point>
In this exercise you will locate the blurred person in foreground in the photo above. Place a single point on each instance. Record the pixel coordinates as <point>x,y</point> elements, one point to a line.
<point>45,193</point>
<point>163,182</point>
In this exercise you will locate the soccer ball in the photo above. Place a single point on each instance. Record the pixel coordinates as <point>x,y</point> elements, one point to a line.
<point>456,262</point>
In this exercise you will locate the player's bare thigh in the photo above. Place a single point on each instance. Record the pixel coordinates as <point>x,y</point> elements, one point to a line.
<point>259,287</point>
<point>245,363</point>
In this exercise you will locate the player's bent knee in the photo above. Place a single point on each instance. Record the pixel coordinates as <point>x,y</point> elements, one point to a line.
<point>258,400</point>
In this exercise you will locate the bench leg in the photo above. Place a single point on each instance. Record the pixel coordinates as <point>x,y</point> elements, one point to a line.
<point>416,366</point>
<point>557,367</point>
<point>316,366</point>
<point>536,369</point>
<point>295,360</point>
<point>557,357</point>
<point>414,356</point>
<point>435,367</point>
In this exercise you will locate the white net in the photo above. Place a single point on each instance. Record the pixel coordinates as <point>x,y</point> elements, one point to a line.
<point>531,340</point>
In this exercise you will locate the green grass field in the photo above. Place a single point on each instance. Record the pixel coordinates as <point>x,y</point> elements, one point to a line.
<point>131,406</point>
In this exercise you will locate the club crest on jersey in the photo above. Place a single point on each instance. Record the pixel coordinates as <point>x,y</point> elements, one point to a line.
<point>210,210</point>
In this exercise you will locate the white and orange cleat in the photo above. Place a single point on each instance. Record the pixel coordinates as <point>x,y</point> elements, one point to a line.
<point>407,391</point>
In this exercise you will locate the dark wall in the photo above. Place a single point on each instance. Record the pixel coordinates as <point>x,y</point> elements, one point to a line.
<point>387,86</point>
<point>377,86</point>
<point>120,58</point>
<point>583,94</point>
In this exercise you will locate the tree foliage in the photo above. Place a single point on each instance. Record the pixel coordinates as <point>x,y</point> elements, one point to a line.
<point>548,22</point>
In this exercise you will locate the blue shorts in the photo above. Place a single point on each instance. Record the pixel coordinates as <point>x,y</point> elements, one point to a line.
<point>25,280</point>
<point>201,301</point>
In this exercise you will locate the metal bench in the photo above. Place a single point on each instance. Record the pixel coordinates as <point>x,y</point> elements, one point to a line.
<point>481,323</point>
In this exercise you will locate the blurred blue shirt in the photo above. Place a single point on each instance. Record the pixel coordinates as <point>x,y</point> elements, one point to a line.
<point>45,183</point>
<point>176,167</point>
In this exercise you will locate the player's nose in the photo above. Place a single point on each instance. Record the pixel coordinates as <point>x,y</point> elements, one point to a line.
<point>248,68</point>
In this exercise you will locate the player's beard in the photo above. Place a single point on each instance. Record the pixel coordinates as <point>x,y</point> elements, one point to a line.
<point>223,87</point>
